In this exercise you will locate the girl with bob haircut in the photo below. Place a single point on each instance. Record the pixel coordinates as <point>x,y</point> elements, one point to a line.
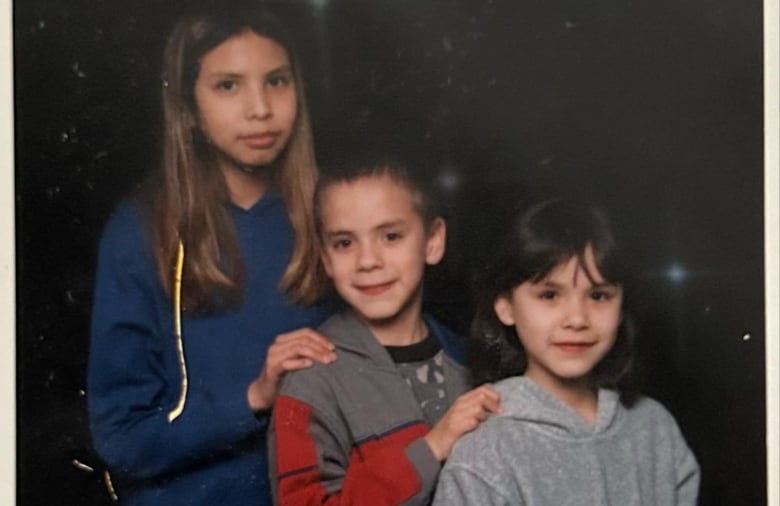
<point>204,274</point>
<point>553,331</point>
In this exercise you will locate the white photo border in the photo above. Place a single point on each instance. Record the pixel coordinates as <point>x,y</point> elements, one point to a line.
<point>771,252</point>
<point>771,246</point>
<point>7,263</point>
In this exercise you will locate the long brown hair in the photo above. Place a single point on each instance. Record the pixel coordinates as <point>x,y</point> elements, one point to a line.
<point>189,203</point>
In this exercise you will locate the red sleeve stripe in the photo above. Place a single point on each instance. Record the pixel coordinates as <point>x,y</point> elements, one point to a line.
<point>295,449</point>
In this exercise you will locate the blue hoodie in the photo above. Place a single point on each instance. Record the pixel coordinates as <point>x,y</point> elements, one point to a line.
<point>214,452</point>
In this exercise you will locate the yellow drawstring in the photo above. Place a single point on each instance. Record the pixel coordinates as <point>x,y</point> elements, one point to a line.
<point>110,486</point>
<point>176,411</point>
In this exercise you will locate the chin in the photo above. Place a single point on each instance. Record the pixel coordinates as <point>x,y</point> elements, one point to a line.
<point>376,313</point>
<point>378,317</point>
<point>259,158</point>
<point>574,376</point>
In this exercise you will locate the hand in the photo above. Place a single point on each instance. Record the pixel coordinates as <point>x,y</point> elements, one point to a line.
<point>465,414</point>
<point>291,351</point>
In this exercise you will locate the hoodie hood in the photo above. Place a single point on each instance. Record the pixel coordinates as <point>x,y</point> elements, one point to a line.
<point>349,334</point>
<point>523,399</point>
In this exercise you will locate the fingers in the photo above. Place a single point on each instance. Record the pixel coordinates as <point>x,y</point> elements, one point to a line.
<point>473,408</point>
<point>294,364</point>
<point>291,351</point>
<point>297,350</point>
<point>488,398</point>
<point>306,332</point>
<point>465,414</point>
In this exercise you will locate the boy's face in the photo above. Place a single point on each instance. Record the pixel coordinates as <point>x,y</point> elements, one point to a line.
<point>376,247</point>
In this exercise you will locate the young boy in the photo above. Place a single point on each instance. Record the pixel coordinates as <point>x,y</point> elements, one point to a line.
<point>374,426</point>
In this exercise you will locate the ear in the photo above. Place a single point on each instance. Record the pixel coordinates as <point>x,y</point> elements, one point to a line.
<point>503,308</point>
<point>437,240</point>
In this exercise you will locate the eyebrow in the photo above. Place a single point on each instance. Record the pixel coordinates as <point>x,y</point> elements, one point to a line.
<point>282,69</point>
<point>223,74</point>
<point>552,284</point>
<point>337,233</point>
<point>382,226</point>
<point>391,224</point>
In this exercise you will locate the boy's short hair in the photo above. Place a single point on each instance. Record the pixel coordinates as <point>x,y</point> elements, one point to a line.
<point>377,164</point>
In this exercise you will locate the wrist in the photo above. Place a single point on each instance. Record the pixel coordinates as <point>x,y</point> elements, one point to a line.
<point>256,397</point>
<point>436,447</point>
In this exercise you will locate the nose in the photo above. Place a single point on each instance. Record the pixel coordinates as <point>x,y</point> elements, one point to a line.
<point>369,257</point>
<point>576,316</point>
<point>258,106</point>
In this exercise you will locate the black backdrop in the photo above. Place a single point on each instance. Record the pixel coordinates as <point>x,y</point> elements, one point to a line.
<point>653,108</point>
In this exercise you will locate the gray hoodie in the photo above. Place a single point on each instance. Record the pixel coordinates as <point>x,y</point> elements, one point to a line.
<point>542,452</point>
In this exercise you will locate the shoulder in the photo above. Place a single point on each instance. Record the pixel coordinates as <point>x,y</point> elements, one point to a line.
<point>490,443</point>
<point>348,333</point>
<point>649,415</point>
<point>649,408</point>
<point>126,224</point>
<point>520,393</point>
<point>654,428</point>
<point>126,235</point>
<point>316,386</point>
<point>315,382</point>
<point>337,324</point>
<point>310,384</point>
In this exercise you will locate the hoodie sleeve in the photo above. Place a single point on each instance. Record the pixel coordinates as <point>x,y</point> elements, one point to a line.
<point>134,378</point>
<point>688,474</point>
<point>313,459</point>
<point>461,486</point>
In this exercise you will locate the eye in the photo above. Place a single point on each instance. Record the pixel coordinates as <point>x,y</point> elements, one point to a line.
<point>341,243</point>
<point>601,295</point>
<point>548,294</point>
<point>393,236</point>
<point>278,81</point>
<point>226,85</point>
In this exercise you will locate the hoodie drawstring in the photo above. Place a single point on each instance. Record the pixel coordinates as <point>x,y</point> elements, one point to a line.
<point>179,408</point>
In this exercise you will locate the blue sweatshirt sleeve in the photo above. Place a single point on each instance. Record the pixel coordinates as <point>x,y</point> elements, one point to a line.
<point>134,378</point>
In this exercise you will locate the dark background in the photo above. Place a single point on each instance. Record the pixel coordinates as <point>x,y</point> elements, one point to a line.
<point>653,108</point>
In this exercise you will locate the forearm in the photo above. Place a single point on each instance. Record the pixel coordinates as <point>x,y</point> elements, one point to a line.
<point>316,466</point>
<point>132,431</point>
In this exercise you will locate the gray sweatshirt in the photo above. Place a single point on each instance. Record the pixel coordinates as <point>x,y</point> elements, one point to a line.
<point>542,452</point>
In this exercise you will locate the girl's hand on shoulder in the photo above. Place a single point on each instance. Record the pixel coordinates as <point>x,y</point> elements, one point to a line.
<point>291,351</point>
<point>465,414</point>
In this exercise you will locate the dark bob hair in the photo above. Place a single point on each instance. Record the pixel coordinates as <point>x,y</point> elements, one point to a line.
<point>548,234</point>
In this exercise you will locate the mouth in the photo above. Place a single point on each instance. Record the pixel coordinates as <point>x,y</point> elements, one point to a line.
<point>374,289</point>
<point>574,346</point>
<point>262,140</point>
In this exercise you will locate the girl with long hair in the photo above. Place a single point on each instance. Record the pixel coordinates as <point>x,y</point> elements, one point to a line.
<point>204,277</point>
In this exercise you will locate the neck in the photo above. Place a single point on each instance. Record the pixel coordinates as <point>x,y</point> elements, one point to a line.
<point>245,187</point>
<point>403,329</point>
<point>578,394</point>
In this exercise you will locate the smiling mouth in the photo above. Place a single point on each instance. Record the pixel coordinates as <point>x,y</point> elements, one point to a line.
<point>574,347</point>
<point>375,289</point>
